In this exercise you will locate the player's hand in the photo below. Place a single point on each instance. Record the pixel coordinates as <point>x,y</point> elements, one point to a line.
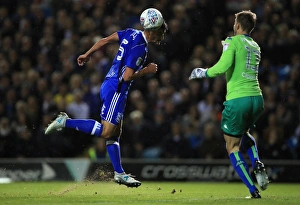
<point>82,59</point>
<point>198,73</point>
<point>151,68</point>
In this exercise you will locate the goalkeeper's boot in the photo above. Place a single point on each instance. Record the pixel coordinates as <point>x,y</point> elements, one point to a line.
<point>57,124</point>
<point>255,194</point>
<point>261,175</point>
<point>126,179</point>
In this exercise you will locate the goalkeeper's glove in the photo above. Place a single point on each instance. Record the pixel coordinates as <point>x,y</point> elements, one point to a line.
<point>198,73</point>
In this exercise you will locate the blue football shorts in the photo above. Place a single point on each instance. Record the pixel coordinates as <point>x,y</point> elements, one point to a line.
<point>113,103</point>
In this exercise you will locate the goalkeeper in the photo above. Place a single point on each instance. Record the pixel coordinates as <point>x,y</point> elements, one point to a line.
<point>244,101</point>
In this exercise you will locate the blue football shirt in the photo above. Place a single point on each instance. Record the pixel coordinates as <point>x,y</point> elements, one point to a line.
<point>132,53</point>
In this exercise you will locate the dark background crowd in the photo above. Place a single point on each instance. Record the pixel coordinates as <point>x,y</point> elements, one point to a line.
<point>167,116</point>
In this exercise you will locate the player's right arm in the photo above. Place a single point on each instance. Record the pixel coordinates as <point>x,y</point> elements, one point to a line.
<point>82,59</point>
<point>129,73</point>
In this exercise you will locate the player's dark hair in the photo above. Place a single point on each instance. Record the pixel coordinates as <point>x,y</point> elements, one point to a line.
<point>164,26</point>
<point>247,19</point>
<point>161,30</point>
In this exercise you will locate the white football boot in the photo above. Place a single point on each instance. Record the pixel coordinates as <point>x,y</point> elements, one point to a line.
<point>126,179</point>
<point>57,124</point>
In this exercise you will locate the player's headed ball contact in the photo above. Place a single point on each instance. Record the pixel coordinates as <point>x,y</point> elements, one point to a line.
<point>151,19</point>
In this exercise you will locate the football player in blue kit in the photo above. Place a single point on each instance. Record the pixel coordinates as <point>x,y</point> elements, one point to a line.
<point>126,67</point>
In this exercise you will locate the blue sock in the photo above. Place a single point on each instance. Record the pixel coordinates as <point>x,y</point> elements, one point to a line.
<point>114,152</point>
<point>240,166</point>
<point>91,127</point>
<point>253,155</point>
<point>249,144</point>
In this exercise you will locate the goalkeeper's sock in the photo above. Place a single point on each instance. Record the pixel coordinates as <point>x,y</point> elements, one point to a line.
<point>114,152</point>
<point>239,164</point>
<point>253,155</point>
<point>249,143</point>
<point>88,126</point>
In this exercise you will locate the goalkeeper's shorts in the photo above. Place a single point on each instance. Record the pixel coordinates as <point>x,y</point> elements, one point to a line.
<point>240,114</point>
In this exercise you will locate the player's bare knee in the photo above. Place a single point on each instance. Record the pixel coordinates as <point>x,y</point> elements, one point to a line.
<point>232,144</point>
<point>106,134</point>
<point>231,149</point>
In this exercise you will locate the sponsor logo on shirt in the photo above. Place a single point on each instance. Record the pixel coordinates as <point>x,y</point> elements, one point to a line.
<point>248,76</point>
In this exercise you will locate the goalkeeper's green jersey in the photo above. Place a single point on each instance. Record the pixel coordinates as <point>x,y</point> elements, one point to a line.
<point>239,60</point>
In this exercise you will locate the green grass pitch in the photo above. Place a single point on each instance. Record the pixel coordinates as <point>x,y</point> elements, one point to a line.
<point>73,193</point>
